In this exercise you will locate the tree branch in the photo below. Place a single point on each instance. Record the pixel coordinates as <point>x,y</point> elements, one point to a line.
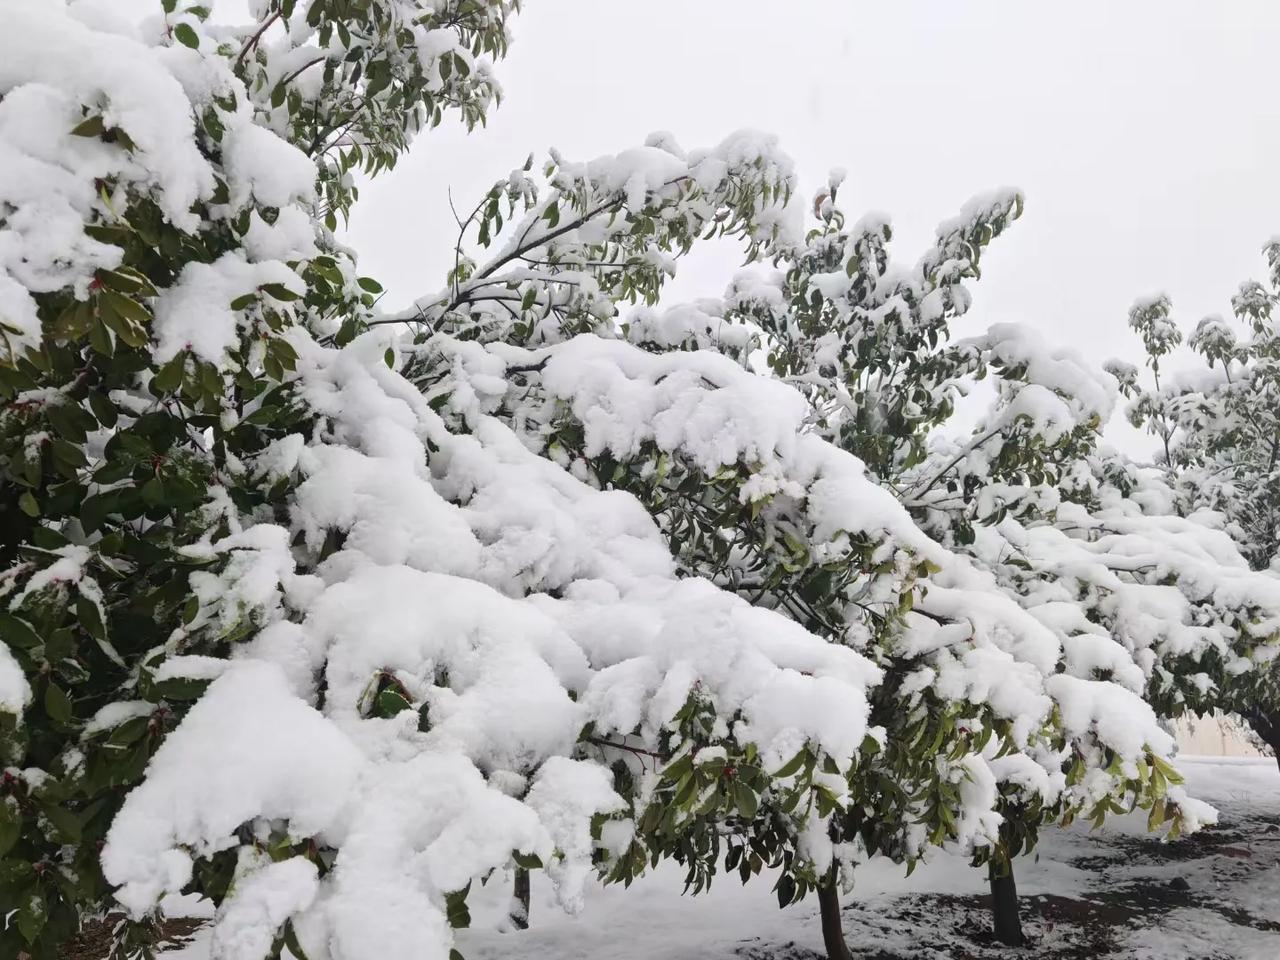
<point>615,745</point>
<point>253,40</point>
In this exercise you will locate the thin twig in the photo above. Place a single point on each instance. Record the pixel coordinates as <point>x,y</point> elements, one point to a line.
<point>253,40</point>
<point>306,66</point>
<point>602,742</point>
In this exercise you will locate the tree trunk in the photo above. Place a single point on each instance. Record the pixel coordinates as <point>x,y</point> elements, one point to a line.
<point>832,931</point>
<point>1004,904</point>
<point>1266,725</point>
<point>519,912</point>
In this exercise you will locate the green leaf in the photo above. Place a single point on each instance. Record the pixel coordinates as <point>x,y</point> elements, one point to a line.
<point>526,861</point>
<point>181,688</point>
<point>369,284</point>
<point>57,704</point>
<point>186,36</point>
<point>1156,817</point>
<point>10,824</point>
<point>32,914</point>
<point>458,915</point>
<point>18,633</point>
<point>278,291</point>
<point>291,941</point>
<point>74,322</point>
<point>58,645</point>
<point>127,307</point>
<point>153,492</point>
<point>28,505</point>
<point>89,127</point>
<point>792,766</point>
<point>1170,773</point>
<point>129,732</point>
<point>118,313</point>
<point>169,377</point>
<point>89,617</point>
<point>100,340</point>
<point>126,280</point>
<point>65,822</point>
<point>103,409</point>
<point>15,873</point>
<point>786,889</point>
<point>390,703</point>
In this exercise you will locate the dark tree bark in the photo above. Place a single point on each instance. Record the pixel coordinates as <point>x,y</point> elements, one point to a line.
<point>1266,724</point>
<point>519,914</point>
<point>1007,925</point>
<point>832,931</point>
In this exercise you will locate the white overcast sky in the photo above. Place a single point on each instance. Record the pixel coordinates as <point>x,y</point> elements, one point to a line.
<point>1144,134</point>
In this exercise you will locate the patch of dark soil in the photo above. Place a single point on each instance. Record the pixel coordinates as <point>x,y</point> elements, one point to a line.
<point>950,927</point>
<point>1214,841</point>
<point>1146,900</point>
<point>94,939</point>
<point>1063,928</point>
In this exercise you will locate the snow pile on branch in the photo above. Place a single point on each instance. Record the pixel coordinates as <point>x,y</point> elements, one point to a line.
<point>495,679</point>
<point>965,641</point>
<point>52,159</point>
<point>611,229</point>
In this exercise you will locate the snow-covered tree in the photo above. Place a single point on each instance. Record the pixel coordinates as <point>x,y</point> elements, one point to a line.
<point>983,713</point>
<point>1219,431</point>
<point>274,629</point>
<point>1148,604</point>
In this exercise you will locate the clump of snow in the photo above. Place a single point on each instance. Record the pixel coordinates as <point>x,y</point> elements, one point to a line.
<point>259,904</point>
<point>15,692</point>
<point>248,748</point>
<point>195,313</point>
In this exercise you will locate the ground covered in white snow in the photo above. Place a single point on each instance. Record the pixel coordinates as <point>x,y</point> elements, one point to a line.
<point>1110,893</point>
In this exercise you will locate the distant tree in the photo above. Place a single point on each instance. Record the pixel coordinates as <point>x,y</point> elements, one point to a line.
<point>1219,429</point>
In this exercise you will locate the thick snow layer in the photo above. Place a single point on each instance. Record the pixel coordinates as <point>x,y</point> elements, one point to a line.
<point>442,591</point>
<point>913,917</point>
<point>195,313</point>
<point>624,396</point>
<point>261,752</point>
<point>974,641</point>
<point>15,692</point>
<point>57,71</point>
<point>262,901</point>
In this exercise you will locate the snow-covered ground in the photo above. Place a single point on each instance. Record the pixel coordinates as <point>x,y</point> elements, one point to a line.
<point>1111,893</point>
